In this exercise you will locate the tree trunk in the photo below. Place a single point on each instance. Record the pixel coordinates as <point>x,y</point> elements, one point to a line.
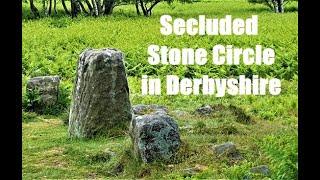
<point>78,6</point>
<point>33,9</point>
<point>82,7</point>
<point>149,11</point>
<point>108,6</point>
<point>269,4</point>
<point>65,7</point>
<point>55,7</point>
<point>137,7</point>
<point>95,8</point>
<point>73,8</point>
<point>89,5</point>
<point>280,6</point>
<point>50,7</point>
<point>275,6</point>
<point>145,13</point>
<point>99,6</point>
<point>44,7</point>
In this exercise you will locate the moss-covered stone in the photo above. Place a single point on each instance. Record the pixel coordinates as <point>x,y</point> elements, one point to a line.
<point>42,92</point>
<point>100,101</point>
<point>155,137</point>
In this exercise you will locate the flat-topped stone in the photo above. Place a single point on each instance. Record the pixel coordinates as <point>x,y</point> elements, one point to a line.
<point>43,92</point>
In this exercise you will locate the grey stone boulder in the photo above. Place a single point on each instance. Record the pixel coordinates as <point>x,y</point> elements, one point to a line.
<point>227,149</point>
<point>155,137</point>
<point>262,169</point>
<point>142,109</point>
<point>43,92</point>
<point>100,103</point>
<point>204,110</point>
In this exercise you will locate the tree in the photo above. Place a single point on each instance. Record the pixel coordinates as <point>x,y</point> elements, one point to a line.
<point>276,5</point>
<point>65,7</point>
<point>55,7</point>
<point>147,6</point>
<point>50,6</point>
<point>88,5</point>
<point>33,9</point>
<point>96,7</point>
<point>48,10</point>
<point>147,11</point>
<point>108,6</point>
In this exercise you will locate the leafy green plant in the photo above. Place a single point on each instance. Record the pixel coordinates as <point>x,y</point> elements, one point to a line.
<point>63,102</point>
<point>31,99</point>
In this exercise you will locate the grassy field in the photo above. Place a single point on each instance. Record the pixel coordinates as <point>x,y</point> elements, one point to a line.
<point>51,46</point>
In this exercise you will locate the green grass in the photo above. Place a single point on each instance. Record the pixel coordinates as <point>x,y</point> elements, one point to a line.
<point>51,46</point>
<point>47,151</point>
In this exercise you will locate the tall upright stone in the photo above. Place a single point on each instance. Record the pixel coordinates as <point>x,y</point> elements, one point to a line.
<point>100,102</point>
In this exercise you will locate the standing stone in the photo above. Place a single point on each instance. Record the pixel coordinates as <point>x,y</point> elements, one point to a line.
<point>155,137</point>
<point>43,92</point>
<point>100,102</point>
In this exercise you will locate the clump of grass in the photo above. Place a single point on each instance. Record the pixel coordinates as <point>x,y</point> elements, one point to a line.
<point>201,128</point>
<point>228,129</point>
<point>183,153</point>
<point>29,117</point>
<point>218,107</point>
<point>64,116</point>
<point>60,22</point>
<point>200,125</point>
<point>101,157</point>
<point>282,150</point>
<point>241,116</point>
